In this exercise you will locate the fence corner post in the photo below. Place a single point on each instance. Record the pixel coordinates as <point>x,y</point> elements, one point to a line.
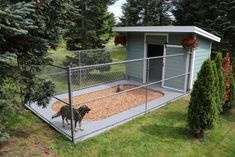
<point>70,102</point>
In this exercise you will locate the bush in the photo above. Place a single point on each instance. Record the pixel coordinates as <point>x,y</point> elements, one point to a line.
<point>218,62</point>
<point>202,110</point>
<point>217,91</point>
<point>227,72</point>
<point>232,93</point>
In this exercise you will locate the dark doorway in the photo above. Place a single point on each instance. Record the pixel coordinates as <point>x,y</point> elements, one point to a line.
<point>155,65</point>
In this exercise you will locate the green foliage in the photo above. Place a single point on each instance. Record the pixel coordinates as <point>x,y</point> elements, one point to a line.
<point>27,32</point>
<point>7,99</point>
<point>212,16</point>
<point>27,29</point>
<point>39,91</point>
<point>217,87</point>
<point>146,13</point>
<point>91,24</point>
<point>202,110</point>
<point>221,90</point>
<point>5,105</point>
<point>232,93</point>
<point>229,26</point>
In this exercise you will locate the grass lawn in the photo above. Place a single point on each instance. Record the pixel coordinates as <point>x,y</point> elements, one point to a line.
<point>162,133</point>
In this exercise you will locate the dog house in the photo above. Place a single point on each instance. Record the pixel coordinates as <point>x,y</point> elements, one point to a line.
<point>165,41</point>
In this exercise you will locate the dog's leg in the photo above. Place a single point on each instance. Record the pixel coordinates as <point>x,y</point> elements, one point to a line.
<point>80,126</point>
<point>63,122</point>
<point>75,126</point>
<point>67,121</point>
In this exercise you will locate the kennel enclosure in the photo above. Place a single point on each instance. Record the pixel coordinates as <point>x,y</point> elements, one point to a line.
<point>157,70</point>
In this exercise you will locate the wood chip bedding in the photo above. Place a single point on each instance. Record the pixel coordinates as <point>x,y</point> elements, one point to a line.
<point>111,105</point>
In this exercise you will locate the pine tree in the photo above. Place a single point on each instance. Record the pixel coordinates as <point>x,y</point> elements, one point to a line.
<point>229,26</point>
<point>211,15</point>
<point>218,62</point>
<point>27,30</point>
<point>202,110</point>
<point>146,13</point>
<point>92,24</point>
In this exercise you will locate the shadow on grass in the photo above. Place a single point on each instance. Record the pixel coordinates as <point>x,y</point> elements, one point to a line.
<point>166,132</point>
<point>175,116</point>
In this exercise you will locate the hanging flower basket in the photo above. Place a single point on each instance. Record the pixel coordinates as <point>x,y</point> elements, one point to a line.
<point>189,44</point>
<point>120,40</point>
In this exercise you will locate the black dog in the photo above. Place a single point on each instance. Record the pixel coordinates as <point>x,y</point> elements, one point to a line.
<point>78,115</point>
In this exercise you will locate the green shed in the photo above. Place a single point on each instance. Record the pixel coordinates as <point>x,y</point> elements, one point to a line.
<point>162,43</point>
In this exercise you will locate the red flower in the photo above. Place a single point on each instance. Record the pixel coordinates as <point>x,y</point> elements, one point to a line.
<point>120,40</point>
<point>189,42</point>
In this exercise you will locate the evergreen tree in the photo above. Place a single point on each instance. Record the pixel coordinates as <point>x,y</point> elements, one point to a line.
<point>92,24</point>
<point>211,15</point>
<point>229,26</point>
<point>27,30</point>
<point>218,62</point>
<point>202,110</point>
<point>217,88</point>
<point>146,13</point>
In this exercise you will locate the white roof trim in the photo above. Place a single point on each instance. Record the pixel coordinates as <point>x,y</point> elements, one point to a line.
<point>168,29</point>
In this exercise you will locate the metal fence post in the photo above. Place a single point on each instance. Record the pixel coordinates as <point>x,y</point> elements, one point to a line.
<point>70,102</point>
<point>80,74</point>
<point>147,83</point>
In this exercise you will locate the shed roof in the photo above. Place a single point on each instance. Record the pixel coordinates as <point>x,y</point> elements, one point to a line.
<point>168,29</point>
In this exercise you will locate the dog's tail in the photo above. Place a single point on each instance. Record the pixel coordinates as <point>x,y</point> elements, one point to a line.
<point>56,115</point>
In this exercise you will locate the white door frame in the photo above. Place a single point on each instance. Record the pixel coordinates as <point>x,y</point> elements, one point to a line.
<point>146,50</point>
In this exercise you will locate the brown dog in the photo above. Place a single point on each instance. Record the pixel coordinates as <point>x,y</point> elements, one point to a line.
<point>78,115</point>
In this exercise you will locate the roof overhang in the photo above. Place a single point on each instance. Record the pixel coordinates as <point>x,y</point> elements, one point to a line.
<point>168,29</point>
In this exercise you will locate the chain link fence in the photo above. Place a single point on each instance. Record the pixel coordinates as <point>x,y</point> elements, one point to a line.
<point>115,91</point>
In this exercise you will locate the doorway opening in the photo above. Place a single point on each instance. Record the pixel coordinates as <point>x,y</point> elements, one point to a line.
<point>155,65</point>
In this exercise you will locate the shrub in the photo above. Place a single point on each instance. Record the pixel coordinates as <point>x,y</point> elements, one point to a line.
<point>218,62</point>
<point>232,93</point>
<point>216,85</point>
<point>202,110</point>
<point>227,72</point>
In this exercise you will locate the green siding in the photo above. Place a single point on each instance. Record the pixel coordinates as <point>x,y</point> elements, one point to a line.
<point>135,49</point>
<point>201,54</point>
<point>175,66</point>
